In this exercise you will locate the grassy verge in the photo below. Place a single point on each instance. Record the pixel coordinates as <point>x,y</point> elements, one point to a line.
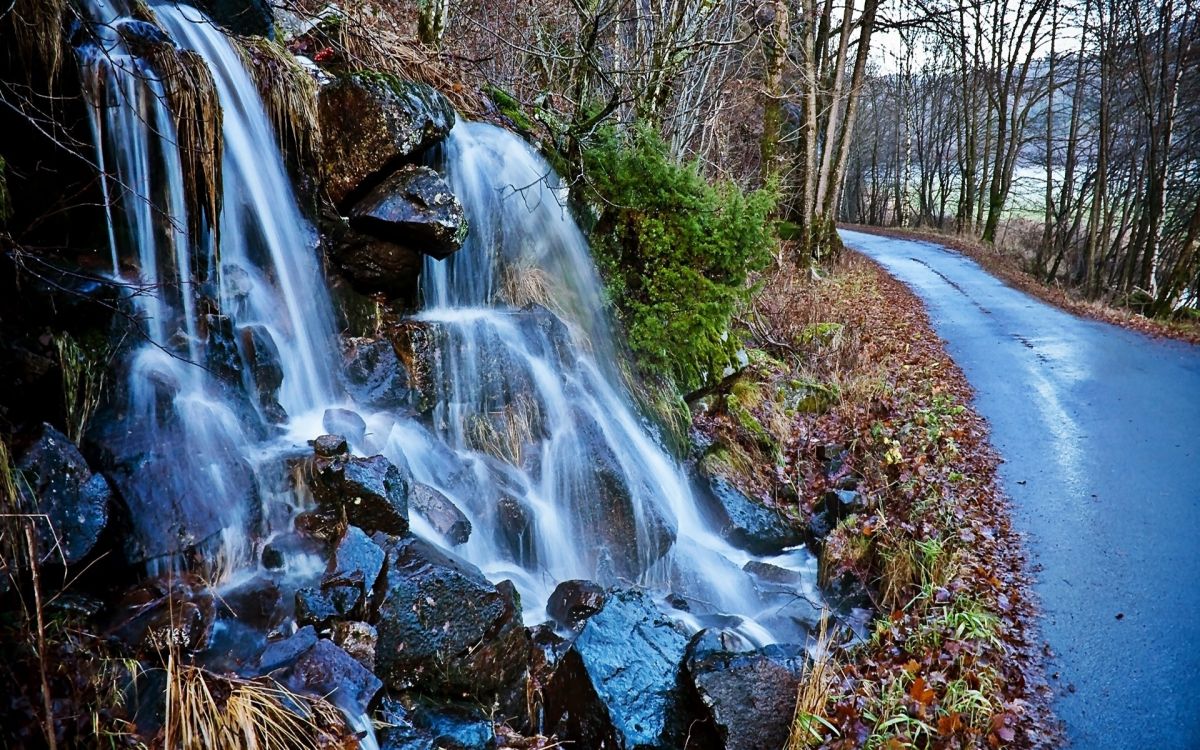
<point>1008,268</point>
<point>950,659</point>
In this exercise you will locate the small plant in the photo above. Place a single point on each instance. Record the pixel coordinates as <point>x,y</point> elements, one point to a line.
<point>507,433</point>
<point>82,384</point>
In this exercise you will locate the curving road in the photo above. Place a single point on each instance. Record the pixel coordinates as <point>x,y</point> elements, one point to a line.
<point>1099,428</point>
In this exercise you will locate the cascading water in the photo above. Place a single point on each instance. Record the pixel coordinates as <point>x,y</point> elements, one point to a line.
<point>566,481</point>
<point>531,431</point>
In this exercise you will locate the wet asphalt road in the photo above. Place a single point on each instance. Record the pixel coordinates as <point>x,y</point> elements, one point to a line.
<point>1099,428</point>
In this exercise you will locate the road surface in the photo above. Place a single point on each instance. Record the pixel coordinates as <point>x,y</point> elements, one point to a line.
<point>1099,429</point>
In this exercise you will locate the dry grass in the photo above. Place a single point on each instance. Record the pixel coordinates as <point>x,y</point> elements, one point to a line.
<point>527,285</point>
<point>205,711</point>
<point>507,433</point>
<point>37,29</point>
<point>196,109</point>
<point>375,37</point>
<point>289,94</point>
<point>808,721</point>
<point>82,384</point>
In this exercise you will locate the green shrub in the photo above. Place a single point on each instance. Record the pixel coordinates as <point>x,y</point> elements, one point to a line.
<point>676,253</point>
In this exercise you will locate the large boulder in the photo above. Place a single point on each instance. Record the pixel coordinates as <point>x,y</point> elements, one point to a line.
<point>443,627</point>
<point>375,266</point>
<point>750,694</point>
<point>572,602</point>
<point>73,500</point>
<point>326,670</point>
<point>370,123</point>
<point>632,535</point>
<point>372,492</point>
<point>618,686</point>
<point>261,355</point>
<point>442,514</point>
<point>375,375</point>
<point>749,524</point>
<point>414,207</point>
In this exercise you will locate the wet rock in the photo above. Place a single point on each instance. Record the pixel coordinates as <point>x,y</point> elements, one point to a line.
<point>750,694</point>
<point>284,651</point>
<point>330,446</point>
<point>631,539</point>
<point>552,337</point>
<point>416,343</point>
<point>574,601</point>
<point>374,266</point>
<point>246,17</point>
<point>443,627</point>
<point>345,422</point>
<point>316,607</point>
<point>261,355</point>
<point>421,725</point>
<point>356,561</point>
<point>833,507</point>
<point>326,670</point>
<point>141,38</point>
<point>618,685</point>
<point>73,499</point>
<point>414,207</point>
<point>372,492</point>
<point>772,573</point>
<point>751,525</point>
<point>443,515</point>
<point>254,604</point>
<point>272,557</point>
<point>357,639</point>
<point>161,614</point>
<point>375,375</point>
<point>369,123</point>
<point>514,520</point>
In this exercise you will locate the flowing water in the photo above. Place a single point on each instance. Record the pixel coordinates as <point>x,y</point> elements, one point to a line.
<point>531,430</point>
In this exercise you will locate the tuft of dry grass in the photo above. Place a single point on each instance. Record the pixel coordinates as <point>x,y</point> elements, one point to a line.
<point>204,710</point>
<point>37,30</point>
<point>195,107</point>
<point>82,384</point>
<point>809,724</point>
<point>507,433</point>
<point>289,94</point>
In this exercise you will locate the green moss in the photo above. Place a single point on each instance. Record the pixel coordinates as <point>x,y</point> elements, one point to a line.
<point>510,107</point>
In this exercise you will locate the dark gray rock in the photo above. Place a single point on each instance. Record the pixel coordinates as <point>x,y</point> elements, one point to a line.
<point>261,356</point>
<point>163,613</point>
<point>440,512</point>
<point>328,671</point>
<point>316,607</point>
<point>443,627</point>
<point>284,651</point>
<point>345,422</point>
<point>749,524</point>
<point>245,17</point>
<point>72,498</point>
<point>374,266</point>
<point>372,492</point>
<point>375,375</point>
<point>574,601</point>
<point>370,123</point>
<point>356,561</point>
<point>750,694</point>
<point>618,686</point>
<point>330,446</point>
<point>414,207</point>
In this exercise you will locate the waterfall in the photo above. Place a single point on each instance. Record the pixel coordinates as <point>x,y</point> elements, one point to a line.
<point>532,433</point>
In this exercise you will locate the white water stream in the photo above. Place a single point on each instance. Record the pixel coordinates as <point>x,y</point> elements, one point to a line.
<point>584,492</point>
